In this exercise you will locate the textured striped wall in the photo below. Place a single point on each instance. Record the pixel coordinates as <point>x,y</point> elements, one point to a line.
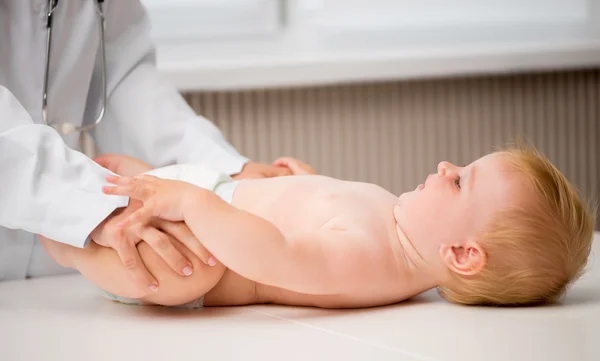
<point>394,134</point>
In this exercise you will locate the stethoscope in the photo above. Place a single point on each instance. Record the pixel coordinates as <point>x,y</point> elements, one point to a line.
<point>68,128</point>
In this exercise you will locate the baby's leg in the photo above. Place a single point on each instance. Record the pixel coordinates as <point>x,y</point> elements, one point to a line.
<point>103,267</point>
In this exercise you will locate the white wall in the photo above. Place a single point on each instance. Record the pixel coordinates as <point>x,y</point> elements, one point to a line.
<point>234,44</point>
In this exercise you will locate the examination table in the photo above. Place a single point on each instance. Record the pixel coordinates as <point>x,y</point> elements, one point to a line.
<point>65,318</point>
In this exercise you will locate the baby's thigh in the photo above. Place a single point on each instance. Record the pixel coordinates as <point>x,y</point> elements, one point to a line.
<point>61,253</point>
<point>175,289</point>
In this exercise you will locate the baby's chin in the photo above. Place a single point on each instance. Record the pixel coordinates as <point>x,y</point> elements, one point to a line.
<point>406,195</point>
<point>401,202</point>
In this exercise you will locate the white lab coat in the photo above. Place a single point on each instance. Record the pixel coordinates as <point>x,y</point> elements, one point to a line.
<point>46,185</point>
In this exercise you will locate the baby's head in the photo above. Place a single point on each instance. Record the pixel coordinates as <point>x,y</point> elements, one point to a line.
<point>507,229</point>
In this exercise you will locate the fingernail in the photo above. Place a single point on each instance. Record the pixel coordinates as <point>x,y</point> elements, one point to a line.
<point>212,261</point>
<point>187,270</point>
<point>154,287</point>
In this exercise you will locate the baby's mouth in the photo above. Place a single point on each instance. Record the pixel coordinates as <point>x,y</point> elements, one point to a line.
<point>420,187</point>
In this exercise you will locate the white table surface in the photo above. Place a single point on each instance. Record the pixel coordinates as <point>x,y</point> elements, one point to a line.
<point>64,318</point>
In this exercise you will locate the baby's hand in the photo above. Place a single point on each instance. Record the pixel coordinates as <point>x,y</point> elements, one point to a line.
<point>161,198</point>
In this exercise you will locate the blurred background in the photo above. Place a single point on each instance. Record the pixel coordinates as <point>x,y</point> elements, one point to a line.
<point>382,90</point>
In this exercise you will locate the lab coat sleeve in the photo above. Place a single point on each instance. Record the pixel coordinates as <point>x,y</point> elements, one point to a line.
<point>45,187</point>
<point>146,117</point>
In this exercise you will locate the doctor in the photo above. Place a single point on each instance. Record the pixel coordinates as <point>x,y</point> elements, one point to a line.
<point>104,80</point>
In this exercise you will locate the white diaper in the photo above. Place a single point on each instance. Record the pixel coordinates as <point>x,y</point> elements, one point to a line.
<point>198,175</point>
<point>220,183</point>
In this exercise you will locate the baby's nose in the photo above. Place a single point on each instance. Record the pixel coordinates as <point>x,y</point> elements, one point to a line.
<point>442,168</point>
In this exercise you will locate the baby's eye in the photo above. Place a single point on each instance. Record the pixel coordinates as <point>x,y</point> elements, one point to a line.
<point>457,182</point>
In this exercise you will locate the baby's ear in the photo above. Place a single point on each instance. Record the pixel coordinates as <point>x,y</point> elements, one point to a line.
<point>466,259</point>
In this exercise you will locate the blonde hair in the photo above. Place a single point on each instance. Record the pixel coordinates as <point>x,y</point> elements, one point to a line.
<point>535,250</point>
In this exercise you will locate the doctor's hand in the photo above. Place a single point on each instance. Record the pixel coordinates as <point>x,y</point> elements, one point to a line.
<point>294,165</point>
<point>122,164</point>
<point>158,235</point>
<point>261,170</point>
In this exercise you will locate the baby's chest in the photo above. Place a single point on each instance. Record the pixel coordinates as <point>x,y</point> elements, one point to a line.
<point>329,208</point>
<point>346,212</point>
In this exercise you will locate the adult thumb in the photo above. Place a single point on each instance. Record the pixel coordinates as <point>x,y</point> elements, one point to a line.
<point>107,161</point>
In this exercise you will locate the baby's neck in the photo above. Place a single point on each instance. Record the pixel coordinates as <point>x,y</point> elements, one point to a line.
<point>412,264</point>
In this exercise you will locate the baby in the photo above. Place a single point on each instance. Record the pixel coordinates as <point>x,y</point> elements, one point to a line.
<point>507,229</point>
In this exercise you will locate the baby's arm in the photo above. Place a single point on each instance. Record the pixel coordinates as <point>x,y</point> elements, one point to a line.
<point>103,267</point>
<point>323,261</point>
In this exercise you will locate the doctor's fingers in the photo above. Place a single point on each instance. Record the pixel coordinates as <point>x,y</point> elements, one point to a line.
<point>281,172</point>
<point>140,188</point>
<point>133,264</point>
<point>296,166</point>
<point>181,232</point>
<point>122,164</point>
<point>138,218</point>
<point>162,244</point>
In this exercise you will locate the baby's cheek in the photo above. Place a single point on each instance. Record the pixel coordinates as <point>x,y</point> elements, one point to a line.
<point>462,223</point>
